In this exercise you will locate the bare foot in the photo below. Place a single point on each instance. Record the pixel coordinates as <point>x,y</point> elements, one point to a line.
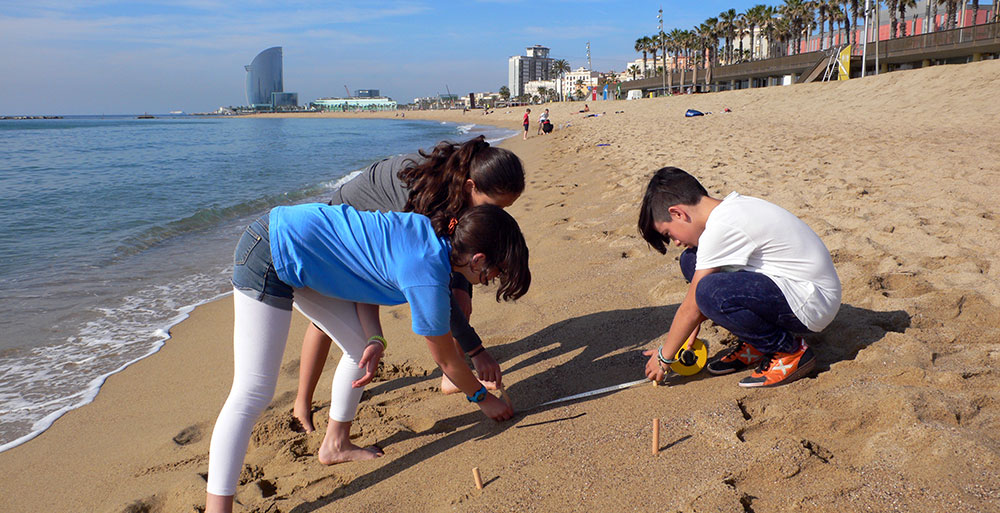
<point>447,387</point>
<point>348,452</point>
<point>303,413</point>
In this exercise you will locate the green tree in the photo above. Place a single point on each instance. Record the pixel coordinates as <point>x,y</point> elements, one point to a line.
<point>727,22</point>
<point>634,70</point>
<point>560,67</point>
<point>504,93</point>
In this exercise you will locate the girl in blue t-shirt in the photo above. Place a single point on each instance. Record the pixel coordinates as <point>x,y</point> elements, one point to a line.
<point>336,264</point>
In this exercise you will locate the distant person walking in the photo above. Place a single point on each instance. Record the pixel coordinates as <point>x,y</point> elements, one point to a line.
<point>527,121</point>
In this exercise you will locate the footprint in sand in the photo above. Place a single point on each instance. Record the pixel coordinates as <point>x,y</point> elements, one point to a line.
<point>188,435</point>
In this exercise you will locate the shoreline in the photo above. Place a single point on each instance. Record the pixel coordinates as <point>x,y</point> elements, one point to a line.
<point>904,409</point>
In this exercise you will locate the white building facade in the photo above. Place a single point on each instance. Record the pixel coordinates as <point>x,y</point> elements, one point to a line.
<point>521,69</point>
<point>588,77</point>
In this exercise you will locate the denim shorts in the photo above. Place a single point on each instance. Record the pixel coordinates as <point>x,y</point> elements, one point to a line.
<point>253,269</point>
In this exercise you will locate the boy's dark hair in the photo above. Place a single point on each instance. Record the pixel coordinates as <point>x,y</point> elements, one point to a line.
<point>669,186</point>
<point>489,230</point>
<point>437,185</point>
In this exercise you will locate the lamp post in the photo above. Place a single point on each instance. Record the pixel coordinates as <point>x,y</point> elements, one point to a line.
<point>659,18</point>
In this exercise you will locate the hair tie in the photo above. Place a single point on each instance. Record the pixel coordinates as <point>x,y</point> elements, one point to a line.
<point>451,226</point>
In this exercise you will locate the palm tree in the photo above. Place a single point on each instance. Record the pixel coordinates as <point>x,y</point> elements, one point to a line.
<point>543,92</point>
<point>633,69</point>
<point>708,39</point>
<point>822,9</point>
<point>653,44</point>
<point>676,36</point>
<point>741,29</point>
<point>903,4</point>
<point>640,46</point>
<point>728,21</point>
<point>754,18</point>
<point>794,11</point>
<point>833,16</point>
<point>560,67</point>
<point>504,93</point>
<point>579,88</point>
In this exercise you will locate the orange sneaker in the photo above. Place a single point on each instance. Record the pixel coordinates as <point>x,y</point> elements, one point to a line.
<point>738,358</point>
<point>782,368</point>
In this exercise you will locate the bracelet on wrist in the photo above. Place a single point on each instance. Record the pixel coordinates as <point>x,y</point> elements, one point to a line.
<point>475,352</point>
<point>664,361</point>
<point>380,339</point>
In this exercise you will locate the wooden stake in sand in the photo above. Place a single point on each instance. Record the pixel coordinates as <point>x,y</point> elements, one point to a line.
<point>505,397</point>
<point>656,436</point>
<point>479,480</point>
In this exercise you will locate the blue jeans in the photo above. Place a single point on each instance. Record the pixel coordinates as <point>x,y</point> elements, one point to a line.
<point>747,304</point>
<point>253,269</point>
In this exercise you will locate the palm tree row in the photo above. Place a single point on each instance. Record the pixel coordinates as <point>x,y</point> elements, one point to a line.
<point>785,29</point>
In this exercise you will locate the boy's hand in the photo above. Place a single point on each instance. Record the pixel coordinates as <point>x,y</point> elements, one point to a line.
<point>487,369</point>
<point>369,362</point>
<point>654,371</point>
<point>495,408</point>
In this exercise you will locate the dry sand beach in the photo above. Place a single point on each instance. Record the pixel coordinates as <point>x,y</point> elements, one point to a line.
<point>899,175</point>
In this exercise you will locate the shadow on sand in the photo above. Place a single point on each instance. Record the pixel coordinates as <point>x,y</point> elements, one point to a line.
<point>606,348</point>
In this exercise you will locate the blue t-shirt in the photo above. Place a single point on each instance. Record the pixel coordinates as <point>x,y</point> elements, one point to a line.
<point>384,258</point>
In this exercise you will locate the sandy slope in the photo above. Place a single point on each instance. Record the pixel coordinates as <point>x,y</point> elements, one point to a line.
<point>898,174</point>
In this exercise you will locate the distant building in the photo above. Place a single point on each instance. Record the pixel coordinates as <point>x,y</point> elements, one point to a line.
<point>588,78</point>
<point>532,88</point>
<point>265,87</point>
<point>521,69</point>
<point>354,104</point>
<point>367,93</point>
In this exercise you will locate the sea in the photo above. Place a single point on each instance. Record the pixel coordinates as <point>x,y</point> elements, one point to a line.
<point>112,229</point>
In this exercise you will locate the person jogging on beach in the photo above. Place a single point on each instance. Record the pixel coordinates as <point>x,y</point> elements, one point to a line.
<point>448,180</point>
<point>527,121</point>
<point>753,267</point>
<point>335,264</point>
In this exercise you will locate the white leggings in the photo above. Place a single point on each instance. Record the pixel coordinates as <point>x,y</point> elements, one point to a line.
<point>259,335</point>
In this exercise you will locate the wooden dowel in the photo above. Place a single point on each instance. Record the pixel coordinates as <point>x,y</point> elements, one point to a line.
<point>656,436</point>
<point>479,480</point>
<point>505,397</point>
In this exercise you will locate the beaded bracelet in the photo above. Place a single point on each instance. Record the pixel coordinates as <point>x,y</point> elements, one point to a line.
<point>380,339</point>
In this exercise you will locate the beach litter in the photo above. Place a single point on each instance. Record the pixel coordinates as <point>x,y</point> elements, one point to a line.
<point>692,113</point>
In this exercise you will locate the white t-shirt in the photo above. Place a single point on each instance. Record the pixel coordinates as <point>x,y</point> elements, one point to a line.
<point>749,234</point>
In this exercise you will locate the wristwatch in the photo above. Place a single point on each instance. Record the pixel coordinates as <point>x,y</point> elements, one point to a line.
<point>478,396</point>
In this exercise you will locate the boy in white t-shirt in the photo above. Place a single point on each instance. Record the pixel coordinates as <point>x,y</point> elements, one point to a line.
<point>753,268</point>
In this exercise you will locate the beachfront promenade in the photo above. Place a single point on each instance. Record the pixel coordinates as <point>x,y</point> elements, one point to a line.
<point>967,44</point>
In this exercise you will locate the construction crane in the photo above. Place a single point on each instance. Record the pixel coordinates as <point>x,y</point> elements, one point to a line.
<point>348,91</point>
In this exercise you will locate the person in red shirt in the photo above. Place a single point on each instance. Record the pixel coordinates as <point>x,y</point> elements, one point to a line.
<point>527,121</point>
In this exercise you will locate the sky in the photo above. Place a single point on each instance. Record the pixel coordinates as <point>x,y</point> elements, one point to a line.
<point>69,57</point>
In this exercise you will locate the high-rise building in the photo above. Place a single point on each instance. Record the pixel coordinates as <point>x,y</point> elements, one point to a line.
<point>265,87</point>
<point>535,65</point>
<point>264,77</point>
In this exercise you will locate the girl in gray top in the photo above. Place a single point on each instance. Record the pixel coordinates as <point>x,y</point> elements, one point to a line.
<point>441,185</point>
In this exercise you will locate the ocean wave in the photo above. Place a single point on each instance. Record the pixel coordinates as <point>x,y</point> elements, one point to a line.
<point>43,385</point>
<point>213,216</point>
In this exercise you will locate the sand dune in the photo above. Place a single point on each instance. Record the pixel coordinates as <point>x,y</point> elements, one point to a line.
<point>898,174</point>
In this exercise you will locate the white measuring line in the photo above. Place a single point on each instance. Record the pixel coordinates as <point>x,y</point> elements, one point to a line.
<point>596,392</point>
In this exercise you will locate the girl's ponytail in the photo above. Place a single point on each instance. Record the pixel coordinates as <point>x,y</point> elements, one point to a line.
<point>437,185</point>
